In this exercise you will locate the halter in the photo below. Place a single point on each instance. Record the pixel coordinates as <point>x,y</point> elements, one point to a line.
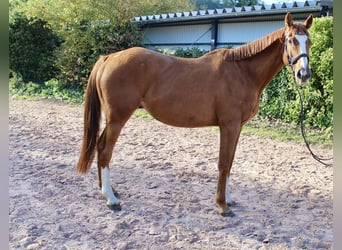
<point>292,62</point>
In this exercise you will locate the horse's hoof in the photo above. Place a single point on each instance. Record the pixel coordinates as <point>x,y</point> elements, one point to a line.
<point>231,204</point>
<point>228,213</point>
<point>114,207</point>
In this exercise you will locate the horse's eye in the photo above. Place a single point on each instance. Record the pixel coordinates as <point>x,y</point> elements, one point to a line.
<point>290,41</point>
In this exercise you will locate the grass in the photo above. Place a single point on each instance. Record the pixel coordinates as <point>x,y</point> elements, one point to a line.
<point>262,128</point>
<point>278,130</point>
<point>143,113</point>
<point>275,130</point>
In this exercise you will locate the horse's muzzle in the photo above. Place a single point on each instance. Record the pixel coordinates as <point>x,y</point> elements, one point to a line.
<point>303,75</point>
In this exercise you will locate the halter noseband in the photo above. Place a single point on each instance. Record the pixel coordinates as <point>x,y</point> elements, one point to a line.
<point>293,61</point>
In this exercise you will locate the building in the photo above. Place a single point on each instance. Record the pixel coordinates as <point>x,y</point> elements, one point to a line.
<point>228,27</point>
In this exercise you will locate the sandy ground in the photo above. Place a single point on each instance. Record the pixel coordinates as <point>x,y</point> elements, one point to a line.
<point>166,179</point>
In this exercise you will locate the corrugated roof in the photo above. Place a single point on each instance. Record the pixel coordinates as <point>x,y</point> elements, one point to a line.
<point>235,11</point>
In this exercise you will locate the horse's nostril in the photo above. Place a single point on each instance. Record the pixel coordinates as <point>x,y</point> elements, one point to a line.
<point>303,74</point>
<point>299,74</point>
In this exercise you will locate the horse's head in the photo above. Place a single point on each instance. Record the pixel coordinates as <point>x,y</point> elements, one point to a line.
<point>297,48</point>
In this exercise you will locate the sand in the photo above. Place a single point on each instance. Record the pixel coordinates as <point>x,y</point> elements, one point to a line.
<point>166,179</point>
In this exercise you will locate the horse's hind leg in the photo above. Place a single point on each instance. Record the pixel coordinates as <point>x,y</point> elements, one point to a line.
<point>105,148</point>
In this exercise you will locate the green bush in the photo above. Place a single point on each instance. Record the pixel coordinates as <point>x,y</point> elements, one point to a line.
<point>32,46</point>
<point>37,54</point>
<point>86,41</point>
<point>189,52</point>
<point>51,89</point>
<point>87,29</point>
<point>280,99</point>
<point>193,52</point>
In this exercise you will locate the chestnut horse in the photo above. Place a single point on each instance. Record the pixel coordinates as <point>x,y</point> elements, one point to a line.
<point>221,88</point>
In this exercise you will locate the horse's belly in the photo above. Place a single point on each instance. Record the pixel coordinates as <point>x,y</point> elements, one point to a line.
<point>182,115</point>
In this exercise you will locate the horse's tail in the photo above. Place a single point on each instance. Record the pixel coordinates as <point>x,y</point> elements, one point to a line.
<point>92,117</point>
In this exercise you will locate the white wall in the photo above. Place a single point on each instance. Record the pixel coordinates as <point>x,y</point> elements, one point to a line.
<point>185,36</point>
<point>171,37</point>
<point>240,33</point>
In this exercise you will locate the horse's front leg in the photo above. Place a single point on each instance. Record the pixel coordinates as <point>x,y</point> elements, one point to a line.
<point>229,136</point>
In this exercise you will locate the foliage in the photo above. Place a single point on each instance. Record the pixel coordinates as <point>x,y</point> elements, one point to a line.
<point>86,32</point>
<point>189,52</point>
<point>215,4</point>
<point>50,89</point>
<point>32,46</point>
<point>148,7</point>
<point>89,28</point>
<point>192,52</point>
<point>85,43</point>
<point>280,99</point>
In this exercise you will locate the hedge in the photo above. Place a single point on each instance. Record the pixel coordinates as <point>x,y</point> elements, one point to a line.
<point>78,53</point>
<point>280,98</point>
<point>32,47</point>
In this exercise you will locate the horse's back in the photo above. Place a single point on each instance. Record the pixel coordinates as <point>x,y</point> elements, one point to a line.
<point>176,91</point>
<point>133,70</point>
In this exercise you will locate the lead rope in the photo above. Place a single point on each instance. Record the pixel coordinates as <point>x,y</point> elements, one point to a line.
<point>301,119</point>
<point>291,62</point>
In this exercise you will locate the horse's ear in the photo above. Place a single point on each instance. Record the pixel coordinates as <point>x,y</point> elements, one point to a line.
<point>288,19</point>
<point>308,21</point>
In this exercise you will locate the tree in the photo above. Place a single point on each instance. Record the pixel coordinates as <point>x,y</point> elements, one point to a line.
<point>32,46</point>
<point>91,28</point>
<point>214,4</point>
<point>88,29</point>
<point>149,7</point>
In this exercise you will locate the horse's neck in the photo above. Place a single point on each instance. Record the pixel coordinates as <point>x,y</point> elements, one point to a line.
<point>265,65</point>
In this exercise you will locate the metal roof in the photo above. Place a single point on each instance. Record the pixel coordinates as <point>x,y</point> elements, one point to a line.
<point>228,13</point>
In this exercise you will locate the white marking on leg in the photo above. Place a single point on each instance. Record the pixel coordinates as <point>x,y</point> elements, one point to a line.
<point>107,190</point>
<point>229,198</point>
